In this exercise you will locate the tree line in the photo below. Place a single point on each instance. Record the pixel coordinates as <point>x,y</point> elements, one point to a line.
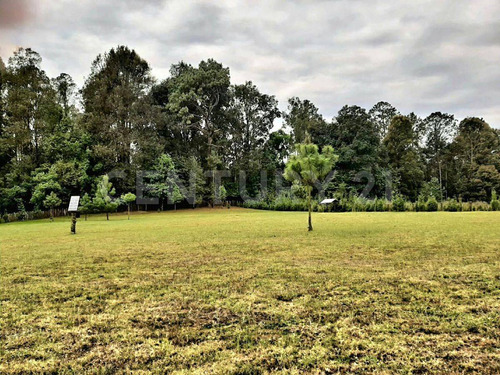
<point>57,140</point>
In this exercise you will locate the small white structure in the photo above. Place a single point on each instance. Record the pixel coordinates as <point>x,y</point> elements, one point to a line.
<point>328,201</point>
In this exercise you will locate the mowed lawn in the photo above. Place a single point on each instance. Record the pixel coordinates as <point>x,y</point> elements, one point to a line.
<point>246,292</point>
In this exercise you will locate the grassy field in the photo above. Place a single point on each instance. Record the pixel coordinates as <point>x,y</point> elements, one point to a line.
<point>246,292</point>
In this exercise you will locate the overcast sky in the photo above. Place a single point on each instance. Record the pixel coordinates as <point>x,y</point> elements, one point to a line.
<point>420,55</point>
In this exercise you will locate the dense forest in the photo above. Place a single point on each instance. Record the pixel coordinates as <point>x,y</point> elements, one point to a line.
<point>57,140</point>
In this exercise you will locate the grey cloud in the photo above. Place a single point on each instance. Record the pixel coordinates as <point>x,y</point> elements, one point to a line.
<point>202,25</point>
<point>421,56</point>
<point>382,39</point>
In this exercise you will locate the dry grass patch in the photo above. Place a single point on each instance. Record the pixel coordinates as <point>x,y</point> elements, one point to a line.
<point>248,292</point>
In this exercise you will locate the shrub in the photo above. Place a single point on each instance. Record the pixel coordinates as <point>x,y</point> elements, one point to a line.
<point>359,204</point>
<point>284,202</point>
<point>480,206</point>
<point>370,205</point>
<point>387,205</point>
<point>420,205</point>
<point>262,205</point>
<point>378,205</point>
<point>409,206</point>
<point>345,205</point>
<point>451,205</point>
<point>432,204</point>
<point>495,203</point>
<point>431,188</point>
<point>398,204</point>
<point>22,214</point>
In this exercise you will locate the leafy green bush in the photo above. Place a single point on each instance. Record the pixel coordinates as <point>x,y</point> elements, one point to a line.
<point>409,206</point>
<point>387,205</point>
<point>379,205</point>
<point>370,205</point>
<point>399,204</point>
<point>431,188</point>
<point>420,205</point>
<point>21,213</point>
<point>261,205</point>
<point>432,204</point>
<point>284,202</point>
<point>451,205</point>
<point>345,205</point>
<point>359,204</point>
<point>480,206</point>
<point>495,203</point>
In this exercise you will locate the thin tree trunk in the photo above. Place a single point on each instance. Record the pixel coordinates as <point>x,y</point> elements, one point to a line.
<point>73,222</point>
<point>446,187</point>
<point>440,180</point>
<point>128,211</point>
<point>209,143</point>
<point>440,185</point>
<point>214,189</point>
<point>107,215</point>
<point>310,228</point>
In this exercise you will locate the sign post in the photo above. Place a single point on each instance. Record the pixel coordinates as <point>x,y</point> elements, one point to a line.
<point>73,208</point>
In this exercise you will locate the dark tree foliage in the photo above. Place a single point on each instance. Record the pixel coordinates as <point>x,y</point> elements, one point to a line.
<point>4,149</point>
<point>303,118</point>
<point>439,130</point>
<point>276,150</point>
<point>354,137</point>
<point>199,99</point>
<point>475,159</point>
<point>65,88</point>
<point>57,141</point>
<point>28,105</point>
<point>252,116</point>
<point>381,115</point>
<point>252,119</point>
<point>403,156</point>
<point>117,112</point>
<point>29,119</point>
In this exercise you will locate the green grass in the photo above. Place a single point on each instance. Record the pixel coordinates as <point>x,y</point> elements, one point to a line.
<point>246,292</point>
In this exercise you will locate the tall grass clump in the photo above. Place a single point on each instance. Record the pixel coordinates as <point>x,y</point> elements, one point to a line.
<point>495,203</point>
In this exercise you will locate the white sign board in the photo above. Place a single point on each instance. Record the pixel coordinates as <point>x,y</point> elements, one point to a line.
<point>73,203</point>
